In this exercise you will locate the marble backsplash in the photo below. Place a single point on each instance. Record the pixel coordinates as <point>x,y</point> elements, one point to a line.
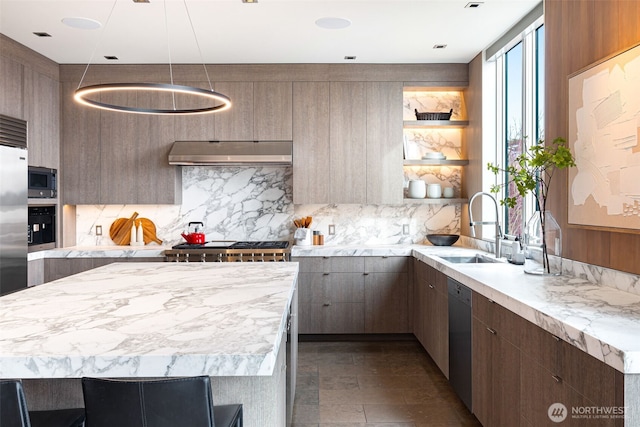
<point>256,203</point>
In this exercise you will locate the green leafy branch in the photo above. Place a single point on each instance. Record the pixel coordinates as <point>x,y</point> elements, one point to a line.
<point>533,171</point>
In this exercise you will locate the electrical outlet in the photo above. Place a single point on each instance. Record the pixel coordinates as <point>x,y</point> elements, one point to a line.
<point>332,229</point>
<point>405,229</point>
<point>98,230</point>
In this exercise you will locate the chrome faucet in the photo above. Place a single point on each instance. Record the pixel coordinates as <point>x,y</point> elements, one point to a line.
<point>473,223</point>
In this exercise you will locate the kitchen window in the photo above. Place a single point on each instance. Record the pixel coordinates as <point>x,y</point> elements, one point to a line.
<point>519,115</point>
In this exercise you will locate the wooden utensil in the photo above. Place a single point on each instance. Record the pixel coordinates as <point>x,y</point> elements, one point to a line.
<point>148,230</point>
<point>120,230</point>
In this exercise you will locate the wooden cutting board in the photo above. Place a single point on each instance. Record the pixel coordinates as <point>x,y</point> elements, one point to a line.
<point>120,231</point>
<point>149,231</point>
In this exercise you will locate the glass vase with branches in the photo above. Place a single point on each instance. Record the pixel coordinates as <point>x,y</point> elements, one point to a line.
<point>532,172</point>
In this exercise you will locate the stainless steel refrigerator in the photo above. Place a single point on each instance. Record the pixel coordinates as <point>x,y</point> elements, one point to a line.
<point>13,204</point>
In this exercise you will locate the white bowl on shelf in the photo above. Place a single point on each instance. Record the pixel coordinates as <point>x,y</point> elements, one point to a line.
<point>434,156</point>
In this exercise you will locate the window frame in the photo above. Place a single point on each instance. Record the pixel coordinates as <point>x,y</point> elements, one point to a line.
<point>532,126</point>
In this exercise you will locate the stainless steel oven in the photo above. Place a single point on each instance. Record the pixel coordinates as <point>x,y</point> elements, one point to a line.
<point>230,251</point>
<point>41,231</point>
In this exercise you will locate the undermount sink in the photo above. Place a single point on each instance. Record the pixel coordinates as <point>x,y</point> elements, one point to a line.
<point>470,259</point>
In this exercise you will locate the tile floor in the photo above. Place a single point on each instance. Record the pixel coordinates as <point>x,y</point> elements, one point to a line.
<point>381,384</point>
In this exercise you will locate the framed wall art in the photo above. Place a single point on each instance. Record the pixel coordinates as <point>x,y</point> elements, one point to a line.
<point>604,136</point>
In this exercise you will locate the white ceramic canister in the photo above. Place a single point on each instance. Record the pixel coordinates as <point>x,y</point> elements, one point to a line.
<point>434,191</point>
<point>447,192</point>
<point>417,189</point>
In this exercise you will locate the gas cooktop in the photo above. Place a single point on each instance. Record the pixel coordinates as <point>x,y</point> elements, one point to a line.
<point>224,244</point>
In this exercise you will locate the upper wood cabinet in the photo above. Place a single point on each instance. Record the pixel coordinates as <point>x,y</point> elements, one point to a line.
<point>311,148</point>
<point>34,96</point>
<point>115,158</point>
<point>199,127</point>
<point>42,112</point>
<point>272,111</point>
<point>11,81</point>
<point>384,143</point>
<point>81,161</point>
<point>235,124</point>
<point>348,136</point>
<point>347,142</point>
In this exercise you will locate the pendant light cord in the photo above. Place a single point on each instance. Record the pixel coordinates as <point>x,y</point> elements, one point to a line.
<point>95,49</point>
<point>166,28</point>
<point>193,30</point>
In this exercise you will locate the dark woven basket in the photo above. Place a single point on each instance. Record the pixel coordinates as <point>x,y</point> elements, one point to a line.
<point>433,116</point>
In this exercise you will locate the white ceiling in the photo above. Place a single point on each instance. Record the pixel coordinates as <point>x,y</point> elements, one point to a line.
<point>271,31</point>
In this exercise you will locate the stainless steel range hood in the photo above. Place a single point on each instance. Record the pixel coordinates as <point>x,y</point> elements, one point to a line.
<point>231,153</point>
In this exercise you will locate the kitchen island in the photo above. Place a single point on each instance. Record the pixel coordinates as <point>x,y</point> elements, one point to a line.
<point>148,320</point>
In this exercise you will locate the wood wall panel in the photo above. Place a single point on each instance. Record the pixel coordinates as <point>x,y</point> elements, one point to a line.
<point>579,33</point>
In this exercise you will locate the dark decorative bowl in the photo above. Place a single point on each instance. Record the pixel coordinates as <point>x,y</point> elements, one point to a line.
<point>442,239</point>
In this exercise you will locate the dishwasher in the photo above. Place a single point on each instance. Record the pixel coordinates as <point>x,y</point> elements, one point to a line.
<point>460,340</point>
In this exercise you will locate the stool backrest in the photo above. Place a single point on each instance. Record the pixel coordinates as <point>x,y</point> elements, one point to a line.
<point>175,402</point>
<point>13,405</point>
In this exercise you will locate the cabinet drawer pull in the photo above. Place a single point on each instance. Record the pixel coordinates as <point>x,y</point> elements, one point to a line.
<point>557,338</point>
<point>385,256</point>
<point>492,331</point>
<point>365,274</point>
<point>325,274</point>
<point>326,304</point>
<point>491,301</point>
<point>557,378</point>
<point>431,286</point>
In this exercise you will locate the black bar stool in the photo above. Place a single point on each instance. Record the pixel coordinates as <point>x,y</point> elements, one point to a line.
<point>14,412</point>
<point>175,402</point>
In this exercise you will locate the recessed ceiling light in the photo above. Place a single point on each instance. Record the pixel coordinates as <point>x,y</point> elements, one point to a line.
<point>350,57</point>
<point>331,23</point>
<point>111,57</point>
<point>141,1</point>
<point>439,46</point>
<point>474,4</point>
<point>249,1</point>
<point>82,23</point>
<point>42,34</point>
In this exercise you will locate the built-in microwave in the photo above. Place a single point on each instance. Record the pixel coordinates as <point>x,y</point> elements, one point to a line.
<point>43,182</point>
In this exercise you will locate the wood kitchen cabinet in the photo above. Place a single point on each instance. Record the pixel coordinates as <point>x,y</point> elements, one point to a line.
<point>42,112</point>
<point>57,268</point>
<point>115,158</point>
<point>520,370</point>
<point>11,82</point>
<point>347,142</point>
<point>272,111</point>
<point>554,371</point>
<point>331,295</point>
<point>354,295</point>
<point>386,291</point>
<point>311,147</point>
<point>496,363</point>
<point>235,124</point>
<point>431,313</point>
<point>30,89</point>
<point>199,127</point>
<point>348,136</point>
<point>384,143</point>
<point>81,161</point>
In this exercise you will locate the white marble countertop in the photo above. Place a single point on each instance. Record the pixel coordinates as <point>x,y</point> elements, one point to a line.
<point>599,319</point>
<point>147,251</point>
<point>149,320</point>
